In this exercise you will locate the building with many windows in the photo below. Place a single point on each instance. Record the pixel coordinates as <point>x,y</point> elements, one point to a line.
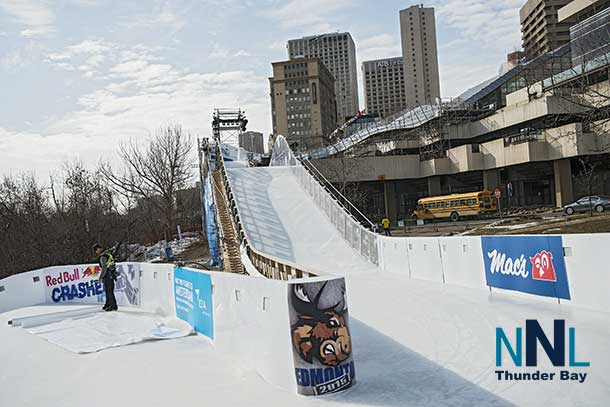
<point>384,86</point>
<point>338,53</point>
<point>541,31</point>
<point>252,141</point>
<point>303,106</point>
<point>419,53</point>
<point>538,143</point>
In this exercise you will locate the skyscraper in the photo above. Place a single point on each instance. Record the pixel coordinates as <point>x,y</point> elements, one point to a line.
<point>384,86</point>
<point>540,30</point>
<point>419,53</point>
<point>338,52</point>
<point>303,107</point>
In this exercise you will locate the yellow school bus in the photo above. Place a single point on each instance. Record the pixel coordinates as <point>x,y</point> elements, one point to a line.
<point>455,206</point>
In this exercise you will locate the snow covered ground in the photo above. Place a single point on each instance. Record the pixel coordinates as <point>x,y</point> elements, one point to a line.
<point>440,329</point>
<point>414,342</point>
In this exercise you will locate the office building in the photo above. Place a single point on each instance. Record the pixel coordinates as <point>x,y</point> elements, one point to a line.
<point>541,31</point>
<point>531,148</point>
<point>419,53</point>
<point>384,86</point>
<point>303,106</point>
<point>338,53</point>
<point>252,141</point>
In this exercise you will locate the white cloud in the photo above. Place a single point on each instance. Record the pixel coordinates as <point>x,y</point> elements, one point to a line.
<point>458,77</point>
<point>162,16</point>
<point>483,22</point>
<point>87,56</point>
<point>15,145</point>
<point>219,52</point>
<point>137,96</point>
<point>379,46</point>
<point>89,47</point>
<point>16,59</point>
<point>278,45</point>
<point>314,15</point>
<point>36,16</point>
<point>12,61</point>
<point>242,53</point>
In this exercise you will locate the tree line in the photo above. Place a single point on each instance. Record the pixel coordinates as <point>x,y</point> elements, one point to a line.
<point>142,201</point>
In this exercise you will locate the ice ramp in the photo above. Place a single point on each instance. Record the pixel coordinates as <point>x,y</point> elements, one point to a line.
<point>282,220</point>
<point>416,342</point>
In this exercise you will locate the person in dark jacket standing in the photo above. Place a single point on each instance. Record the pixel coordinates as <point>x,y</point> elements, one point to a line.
<point>107,276</point>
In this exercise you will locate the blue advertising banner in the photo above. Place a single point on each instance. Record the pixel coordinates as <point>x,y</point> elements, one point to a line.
<point>210,222</point>
<point>530,264</point>
<point>193,297</point>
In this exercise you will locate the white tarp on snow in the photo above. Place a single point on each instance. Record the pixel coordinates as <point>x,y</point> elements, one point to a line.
<point>102,330</point>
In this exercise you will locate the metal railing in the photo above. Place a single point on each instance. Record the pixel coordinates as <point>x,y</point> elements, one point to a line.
<point>340,198</point>
<point>359,237</point>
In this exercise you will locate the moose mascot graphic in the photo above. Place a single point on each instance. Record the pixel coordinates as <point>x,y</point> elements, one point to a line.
<point>321,340</point>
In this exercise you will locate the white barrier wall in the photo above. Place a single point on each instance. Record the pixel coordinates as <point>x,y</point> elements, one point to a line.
<point>251,323</point>
<point>22,290</point>
<point>250,314</point>
<point>424,258</point>
<point>157,288</point>
<point>32,288</point>
<point>453,260</point>
<point>588,270</point>
<point>459,261</point>
<point>462,261</point>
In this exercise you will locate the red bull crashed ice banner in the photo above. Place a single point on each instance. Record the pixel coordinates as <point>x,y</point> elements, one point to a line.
<point>79,284</point>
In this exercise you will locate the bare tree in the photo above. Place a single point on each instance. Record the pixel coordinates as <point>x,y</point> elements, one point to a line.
<point>342,173</point>
<point>589,178</point>
<point>42,226</point>
<point>154,172</point>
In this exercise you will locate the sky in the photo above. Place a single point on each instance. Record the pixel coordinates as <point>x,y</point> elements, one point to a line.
<point>79,77</point>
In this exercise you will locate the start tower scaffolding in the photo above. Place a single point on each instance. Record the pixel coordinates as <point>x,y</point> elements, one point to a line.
<point>228,125</point>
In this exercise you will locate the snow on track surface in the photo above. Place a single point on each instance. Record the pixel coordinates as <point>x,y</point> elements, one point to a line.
<point>283,221</point>
<point>417,342</point>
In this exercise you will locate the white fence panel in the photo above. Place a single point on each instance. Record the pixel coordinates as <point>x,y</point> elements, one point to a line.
<point>463,261</point>
<point>588,271</point>
<point>394,254</point>
<point>424,258</point>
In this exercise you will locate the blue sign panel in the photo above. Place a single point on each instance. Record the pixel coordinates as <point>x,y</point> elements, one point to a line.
<point>210,222</point>
<point>531,264</point>
<point>193,297</point>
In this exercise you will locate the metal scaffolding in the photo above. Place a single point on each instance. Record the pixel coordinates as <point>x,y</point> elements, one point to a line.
<point>228,125</point>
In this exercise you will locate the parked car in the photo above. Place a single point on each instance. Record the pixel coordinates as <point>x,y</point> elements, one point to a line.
<point>599,203</point>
